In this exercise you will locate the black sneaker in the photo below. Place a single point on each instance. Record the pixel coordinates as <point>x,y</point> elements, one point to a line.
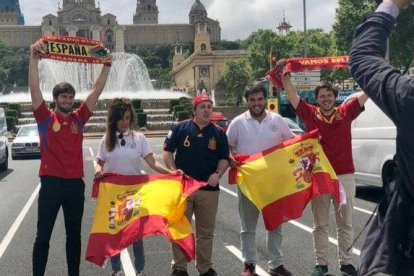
<point>248,270</point>
<point>279,271</point>
<point>348,270</point>
<point>320,270</point>
<point>177,272</point>
<point>210,272</point>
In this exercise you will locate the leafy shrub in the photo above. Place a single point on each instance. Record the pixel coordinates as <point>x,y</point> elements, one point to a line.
<point>11,123</point>
<point>136,103</point>
<point>141,119</point>
<point>183,115</point>
<point>174,102</point>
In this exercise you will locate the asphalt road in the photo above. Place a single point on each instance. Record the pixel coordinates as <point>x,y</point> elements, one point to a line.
<point>18,212</point>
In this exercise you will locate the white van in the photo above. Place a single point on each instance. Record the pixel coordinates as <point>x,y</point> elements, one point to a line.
<point>373,145</point>
<point>4,145</point>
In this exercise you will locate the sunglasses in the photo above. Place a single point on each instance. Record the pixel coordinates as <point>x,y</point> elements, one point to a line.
<point>121,136</point>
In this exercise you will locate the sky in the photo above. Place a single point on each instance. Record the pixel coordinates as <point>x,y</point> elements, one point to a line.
<point>238,18</point>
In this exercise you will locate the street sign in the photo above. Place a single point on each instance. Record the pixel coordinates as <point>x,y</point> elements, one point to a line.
<point>306,80</point>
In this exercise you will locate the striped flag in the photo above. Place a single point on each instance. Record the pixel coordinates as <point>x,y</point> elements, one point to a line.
<point>130,208</point>
<point>281,181</point>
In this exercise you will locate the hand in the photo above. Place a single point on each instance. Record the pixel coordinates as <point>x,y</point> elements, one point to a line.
<point>233,162</point>
<point>401,4</point>
<point>38,49</point>
<point>99,175</point>
<point>280,65</point>
<point>179,172</point>
<point>213,180</point>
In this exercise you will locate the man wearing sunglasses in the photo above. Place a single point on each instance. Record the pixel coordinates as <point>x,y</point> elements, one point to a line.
<point>389,245</point>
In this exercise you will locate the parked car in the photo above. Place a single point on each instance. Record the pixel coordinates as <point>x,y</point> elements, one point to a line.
<point>26,143</point>
<point>373,145</point>
<point>294,127</point>
<point>218,119</point>
<point>4,145</point>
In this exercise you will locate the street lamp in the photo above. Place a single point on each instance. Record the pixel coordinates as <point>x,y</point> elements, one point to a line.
<point>305,34</point>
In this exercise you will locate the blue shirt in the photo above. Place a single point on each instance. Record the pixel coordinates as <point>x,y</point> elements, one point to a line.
<point>198,151</point>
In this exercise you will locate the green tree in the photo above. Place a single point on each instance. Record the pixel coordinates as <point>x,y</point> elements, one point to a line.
<point>235,77</point>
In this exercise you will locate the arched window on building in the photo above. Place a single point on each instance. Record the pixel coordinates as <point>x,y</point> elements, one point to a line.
<point>203,48</point>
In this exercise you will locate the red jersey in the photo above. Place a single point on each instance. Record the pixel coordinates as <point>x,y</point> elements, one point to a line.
<point>335,131</point>
<point>61,141</point>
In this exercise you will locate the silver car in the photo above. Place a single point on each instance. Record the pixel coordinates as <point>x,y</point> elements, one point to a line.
<point>26,143</point>
<point>294,127</point>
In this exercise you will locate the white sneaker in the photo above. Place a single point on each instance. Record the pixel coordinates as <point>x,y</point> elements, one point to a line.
<point>117,273</point>
<point>142,273</point>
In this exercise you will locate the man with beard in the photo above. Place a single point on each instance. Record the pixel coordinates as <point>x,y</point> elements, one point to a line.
<point>61,165</point>
<point>201,151</point>
<point>251,132</point>
<point>334,124</point>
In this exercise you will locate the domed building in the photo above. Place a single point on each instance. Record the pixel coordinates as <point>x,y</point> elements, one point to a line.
<point>83,18</point>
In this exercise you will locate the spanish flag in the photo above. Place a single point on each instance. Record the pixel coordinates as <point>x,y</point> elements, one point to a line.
<point>281,181</point>
<point>130,208</point>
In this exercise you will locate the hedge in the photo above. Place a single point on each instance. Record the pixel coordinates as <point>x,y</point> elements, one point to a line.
<point>11,123</point>
<point>183,115</point>
<point>12,113</point>
<point>142,120</point>
<point>15,106</point>
<point>174,102</point>
<point>136,103</point>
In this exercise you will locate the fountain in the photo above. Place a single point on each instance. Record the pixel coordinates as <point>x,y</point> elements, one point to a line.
<point>128,79</point>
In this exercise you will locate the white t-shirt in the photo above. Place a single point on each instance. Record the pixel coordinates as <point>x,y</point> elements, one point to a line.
<point>125,159</point>
<point>247,136</point>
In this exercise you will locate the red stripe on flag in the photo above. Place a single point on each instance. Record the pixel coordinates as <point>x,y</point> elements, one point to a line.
<point>292,206</point>
<point>104,245</point>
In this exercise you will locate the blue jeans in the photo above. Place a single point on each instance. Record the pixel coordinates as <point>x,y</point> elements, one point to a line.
<point>138,248</point>
<point>249,215</point>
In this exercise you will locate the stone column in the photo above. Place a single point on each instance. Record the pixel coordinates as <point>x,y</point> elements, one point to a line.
<point>72,30</point>
<point>119,39</point>
<point>96,32</point>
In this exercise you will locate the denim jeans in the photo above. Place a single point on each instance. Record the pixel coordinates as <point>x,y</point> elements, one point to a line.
<point>138,248</point>
<point>249,215</point>
<point>54,193</point>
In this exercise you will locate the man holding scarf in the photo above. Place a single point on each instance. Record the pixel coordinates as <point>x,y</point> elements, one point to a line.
<point>334,124</point>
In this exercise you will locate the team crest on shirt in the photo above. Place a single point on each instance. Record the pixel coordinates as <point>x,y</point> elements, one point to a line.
<point>212,143</point>
<point>273,127</point>
<point>339,116</point>
<point>74,127</point>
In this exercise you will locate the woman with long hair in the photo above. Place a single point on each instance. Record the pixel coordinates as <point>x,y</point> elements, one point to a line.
<point>120,151</point>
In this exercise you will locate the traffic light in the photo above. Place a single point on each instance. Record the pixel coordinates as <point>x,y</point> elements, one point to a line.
<point>272,58</point>
<point>273,105</point>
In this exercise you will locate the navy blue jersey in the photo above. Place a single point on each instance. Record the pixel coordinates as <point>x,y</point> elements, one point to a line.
<point>197,151</point>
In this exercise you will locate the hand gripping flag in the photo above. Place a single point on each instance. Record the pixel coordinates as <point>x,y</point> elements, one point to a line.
<point>305,64</point>
<point>130,208</point>
<point>281,181</point>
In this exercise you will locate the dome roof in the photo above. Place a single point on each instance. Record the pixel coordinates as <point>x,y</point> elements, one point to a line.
<point>198,7</point>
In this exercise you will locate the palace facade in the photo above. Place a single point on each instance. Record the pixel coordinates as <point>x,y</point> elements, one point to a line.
<point>83,18</point>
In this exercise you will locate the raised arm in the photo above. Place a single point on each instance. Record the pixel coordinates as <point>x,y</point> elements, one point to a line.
<point>291,92</point>
<point>99,85</point>
<point>34,83</point>
<point>362,98</point>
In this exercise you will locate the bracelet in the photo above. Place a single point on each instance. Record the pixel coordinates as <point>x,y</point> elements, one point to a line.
<point>218,173</point>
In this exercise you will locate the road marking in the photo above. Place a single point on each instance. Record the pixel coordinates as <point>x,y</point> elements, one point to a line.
<point>93,160</point>
<point>127,263</point>
<point>15,226</point>
<point>238,254</point>
<point>300,225</point>
<point>364,210</point>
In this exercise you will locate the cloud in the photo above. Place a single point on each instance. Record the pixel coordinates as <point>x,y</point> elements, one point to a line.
<point>238,18</point>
